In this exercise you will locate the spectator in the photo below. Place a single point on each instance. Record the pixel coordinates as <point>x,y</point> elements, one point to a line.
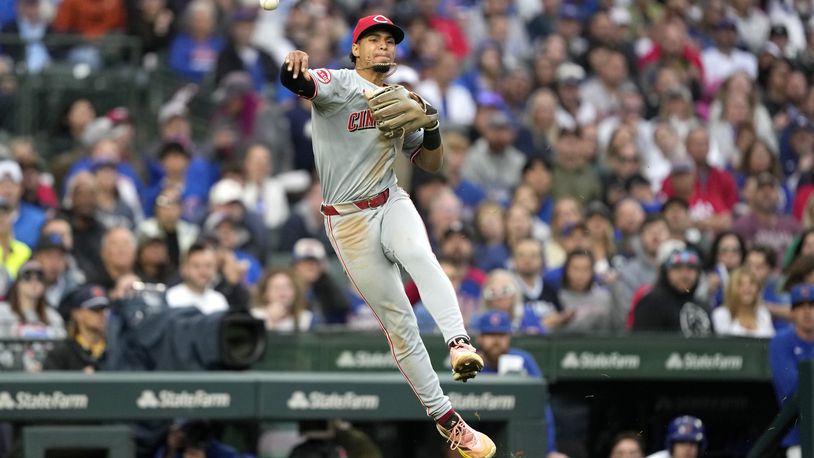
<point>623,161</point>
<point>541,128</point>
<point>326,298</point>
<point>493,163</point>
<point>727,254</point>
<point>87,231</point>
<point>667,149</point>
<point>491,251</point>
<point>676,213</point>
<point>762,261</point>
<point>89,18</point>
<point>442,91</point>
<point>743,311</point>
<point>580,293</point>
<point>670,307</point>
<point>280,302</point>
<point>154,24</point>
<point>573,111</point>
<point>573,175</point>
<point>230,235</point>
<point>501,293</point>
<point>193,438</point>
<point>118,255</point>
<point>265,191</point>
<point>787,349</point>
<point>526,197</point>
<point>240,55</point>
<point>444,209</point>
<point>537,174</point>
<point>765,223</point>
<point>627,445</point>
<point>111,209</point>
<point>26,314</point>
<point>38,187</point>
<point>673,48</point>
<point>226,197</point>
<point>752,23</point>
<point>518,224</point>
<point>305,221</point>
<point>456,148</point>
<point>499,357</point>
<point>194,51</point>
<point>725,59</point>
<point>628,218</point>
<point>686,438</point>
<point>27,218</point>
<point>603,91</point>
<point>168,226</point>
<point>177,168</point>
<point>242,117</point>
<point>58,267</point>
<point>527,259</point>
<point>14,252</point>
<point>153,264</point>
<point>85,310</point>
<point>566,213</point>
<point>199,273</point>
<point>760,158</point>
<point>600,239</point>
<point>30,27</point>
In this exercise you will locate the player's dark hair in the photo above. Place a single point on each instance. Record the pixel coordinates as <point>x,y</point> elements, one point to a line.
<point>352,57</point>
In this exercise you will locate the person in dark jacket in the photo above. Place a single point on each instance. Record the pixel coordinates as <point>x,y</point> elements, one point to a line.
<point>240,55</point>
<point>30,27</point>
<point>85,311</point>
<point>671,306</point>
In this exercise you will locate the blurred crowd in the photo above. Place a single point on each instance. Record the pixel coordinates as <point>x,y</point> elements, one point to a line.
<point>611,166</point>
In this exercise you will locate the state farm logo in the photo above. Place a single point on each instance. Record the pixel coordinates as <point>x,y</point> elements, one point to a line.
<point>365,360</point>
<point>703,361</point>
<point>482,401</point>
<point>318,400</point>
<point>198,399</point>
<point>56,400</point>
<point>600,360</point>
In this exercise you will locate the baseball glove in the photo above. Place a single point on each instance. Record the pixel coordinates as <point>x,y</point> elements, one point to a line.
<point>398,111</point>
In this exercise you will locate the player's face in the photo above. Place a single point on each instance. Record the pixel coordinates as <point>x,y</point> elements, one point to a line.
<point>685,450</point>
<point>376,50</point>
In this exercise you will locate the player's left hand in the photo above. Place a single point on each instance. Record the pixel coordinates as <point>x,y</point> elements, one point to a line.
<point>464,376</point>
<point>398,111</point>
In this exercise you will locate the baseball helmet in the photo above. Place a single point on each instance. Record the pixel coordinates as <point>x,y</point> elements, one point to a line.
<point>686,429</point>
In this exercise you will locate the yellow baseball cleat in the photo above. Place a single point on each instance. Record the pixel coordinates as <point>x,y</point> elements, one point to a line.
<point>469,442</point>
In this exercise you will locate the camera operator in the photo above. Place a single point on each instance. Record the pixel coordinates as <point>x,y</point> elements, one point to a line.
<point>85,309</point>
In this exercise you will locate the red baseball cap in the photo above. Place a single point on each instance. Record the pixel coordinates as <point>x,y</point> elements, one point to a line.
<point>378,21</point>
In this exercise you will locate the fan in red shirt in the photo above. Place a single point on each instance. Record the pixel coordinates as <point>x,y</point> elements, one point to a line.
<point>710,191</point>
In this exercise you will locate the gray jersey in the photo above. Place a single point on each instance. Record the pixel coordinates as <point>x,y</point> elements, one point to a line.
<point>353,159</point>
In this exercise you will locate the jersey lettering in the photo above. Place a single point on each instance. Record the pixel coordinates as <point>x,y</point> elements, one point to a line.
<point>360,120</point>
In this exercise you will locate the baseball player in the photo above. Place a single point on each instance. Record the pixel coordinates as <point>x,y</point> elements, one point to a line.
<point>359,126</point>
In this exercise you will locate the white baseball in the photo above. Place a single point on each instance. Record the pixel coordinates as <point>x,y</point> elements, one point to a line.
<point>269,4</point>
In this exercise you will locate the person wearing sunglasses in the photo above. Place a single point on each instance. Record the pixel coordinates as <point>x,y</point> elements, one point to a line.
<point>26,314</point>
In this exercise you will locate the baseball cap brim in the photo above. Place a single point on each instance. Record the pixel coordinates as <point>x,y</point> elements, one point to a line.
<point>377,22</point>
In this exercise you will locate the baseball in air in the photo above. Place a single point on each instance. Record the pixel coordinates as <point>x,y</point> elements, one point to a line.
<point>269,5</point>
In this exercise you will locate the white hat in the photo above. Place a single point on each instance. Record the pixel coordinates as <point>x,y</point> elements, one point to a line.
<point>619,15</point>
<point>308,249</point>
<point>10,169</point>
<point>404,74</point>
<point>225,191</point>
<point>568,71</point>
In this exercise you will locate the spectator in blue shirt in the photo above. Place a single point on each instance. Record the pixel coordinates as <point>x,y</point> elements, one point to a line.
<point>789,347</point>
<point>499,357</point>
<point>194,52</point>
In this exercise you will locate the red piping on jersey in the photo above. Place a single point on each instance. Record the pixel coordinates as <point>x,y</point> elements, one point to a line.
<point>386,334</point>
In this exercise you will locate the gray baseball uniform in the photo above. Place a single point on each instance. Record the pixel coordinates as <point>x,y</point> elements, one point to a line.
<point>354,163</point>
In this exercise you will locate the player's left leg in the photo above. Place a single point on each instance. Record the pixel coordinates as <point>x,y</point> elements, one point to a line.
<point>404,238</point>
